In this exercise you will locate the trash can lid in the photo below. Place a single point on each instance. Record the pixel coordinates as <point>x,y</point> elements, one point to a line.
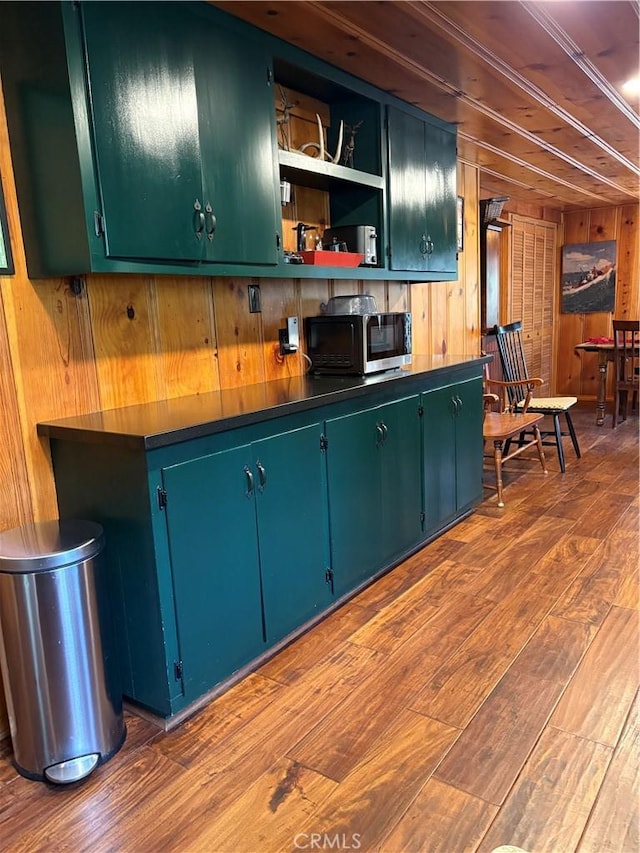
<point>47,545</point>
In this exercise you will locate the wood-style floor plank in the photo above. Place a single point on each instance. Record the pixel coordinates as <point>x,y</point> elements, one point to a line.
<point>314,646</point>
<point>596,587</point>
<point>204,731</point>
<point>614,825</point>
<point>596,703</point>
<point>268,816</point>
<point>410,610</point>
<point>336,744</point>
<point>461,683</point>
<point>494,746</point>
<point>551,800</point>
<point>441,819</point>
<point>384,782</point>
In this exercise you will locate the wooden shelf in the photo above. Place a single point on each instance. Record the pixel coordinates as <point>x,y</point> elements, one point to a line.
<point>300,168</point>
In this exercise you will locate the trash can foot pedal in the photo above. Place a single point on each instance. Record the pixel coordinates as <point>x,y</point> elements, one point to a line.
<point>73,770</point>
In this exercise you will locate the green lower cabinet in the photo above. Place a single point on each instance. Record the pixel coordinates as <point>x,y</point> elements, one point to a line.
<point>291,503</point>
<point>452,450</point>
<point>374,482</point>
<point>213,547</point>
<point>248,545</point>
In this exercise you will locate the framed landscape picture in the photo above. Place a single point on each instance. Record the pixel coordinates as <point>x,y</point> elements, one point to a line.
<point>6,261</point>
<point>588,277</point>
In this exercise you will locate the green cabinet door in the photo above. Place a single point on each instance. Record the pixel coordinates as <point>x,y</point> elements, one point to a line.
<point>238,147</point>
<point>441,174</point>
<point>469,443</point>
<point>422,194</point>
<point>354,477</point>
<point>374,489</point>
<point>142,92</point>
<point>439,457</point>
<point>291,502</point>
<point>213,547</point>
<point>452,436</point>
<point>401,522</point>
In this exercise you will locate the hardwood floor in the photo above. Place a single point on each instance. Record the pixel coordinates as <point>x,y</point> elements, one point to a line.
<point>483,693</point>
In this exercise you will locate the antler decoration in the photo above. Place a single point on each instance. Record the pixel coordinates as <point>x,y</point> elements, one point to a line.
<point>320,146</point>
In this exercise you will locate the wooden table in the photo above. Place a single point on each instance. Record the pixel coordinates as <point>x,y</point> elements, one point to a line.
<point>605,357</point>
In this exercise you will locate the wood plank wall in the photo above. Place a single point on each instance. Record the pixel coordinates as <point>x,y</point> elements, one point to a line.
<point>577,373</point>
<point>133,339</point>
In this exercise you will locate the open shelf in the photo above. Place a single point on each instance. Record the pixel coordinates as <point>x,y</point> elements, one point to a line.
<point>302,169</point>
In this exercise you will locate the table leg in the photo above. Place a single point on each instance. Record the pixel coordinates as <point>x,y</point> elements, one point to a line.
<point>602,387</point>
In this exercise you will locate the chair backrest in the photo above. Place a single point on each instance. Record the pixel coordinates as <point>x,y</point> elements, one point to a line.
<point>512,359</point>
<point>626,342</point>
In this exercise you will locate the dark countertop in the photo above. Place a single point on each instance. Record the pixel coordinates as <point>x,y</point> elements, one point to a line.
<point>151,425</point>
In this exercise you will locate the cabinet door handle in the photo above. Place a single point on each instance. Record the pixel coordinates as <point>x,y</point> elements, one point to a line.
<point>211,221</point>
<point>385,431</point>
<point>459,402</point>
<point>454,403</point>
<point>426,245</point>
<point>262,476</point>
<point>380,434</point>
<point>198,219</point>
<point>249,476</point>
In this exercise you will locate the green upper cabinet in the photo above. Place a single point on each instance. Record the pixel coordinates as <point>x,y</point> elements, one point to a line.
<point>422,194</point>
<point>183,130</point>
<point>144,139</point>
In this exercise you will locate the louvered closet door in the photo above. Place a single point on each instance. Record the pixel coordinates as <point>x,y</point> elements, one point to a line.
<point>532,292</point>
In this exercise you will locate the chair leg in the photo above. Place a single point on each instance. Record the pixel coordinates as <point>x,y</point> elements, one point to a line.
<point>497,458</point>
<point>616,406</point>
<point>572,433</point>
<point>540,449</point>
<point>625,401</point>
<point>558,434</point>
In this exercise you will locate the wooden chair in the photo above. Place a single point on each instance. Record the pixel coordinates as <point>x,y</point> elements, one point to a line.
<point>514,369</point>
<point>502,426</point>
<point>626,361</point>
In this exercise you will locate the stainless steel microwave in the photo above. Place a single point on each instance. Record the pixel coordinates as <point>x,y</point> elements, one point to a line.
<point>358,343</point>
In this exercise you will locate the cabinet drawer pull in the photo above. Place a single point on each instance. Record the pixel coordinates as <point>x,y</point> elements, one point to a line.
<point>262,476</point>
<point>249,476</point>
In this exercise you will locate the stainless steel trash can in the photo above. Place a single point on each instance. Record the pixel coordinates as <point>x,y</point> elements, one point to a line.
<point>58,664</point>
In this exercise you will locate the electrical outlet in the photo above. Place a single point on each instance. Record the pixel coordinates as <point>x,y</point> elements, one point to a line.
<point>254,299</point>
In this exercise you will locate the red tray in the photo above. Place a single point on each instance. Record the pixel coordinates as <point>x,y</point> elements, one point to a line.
<point>333,259</point>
